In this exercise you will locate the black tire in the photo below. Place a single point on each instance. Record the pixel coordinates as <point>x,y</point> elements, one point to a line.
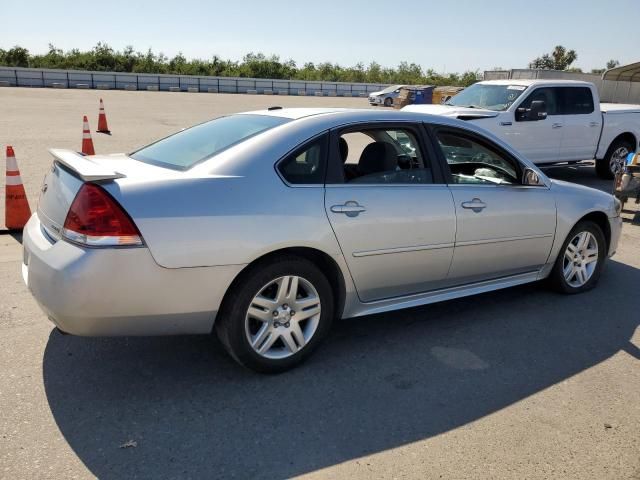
<point>603,166</point>
<point>230,323</point>
<point>388,102</point>
<point>557,279</point>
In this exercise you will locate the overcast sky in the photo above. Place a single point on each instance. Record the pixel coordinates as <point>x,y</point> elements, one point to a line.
<point>446,35</point>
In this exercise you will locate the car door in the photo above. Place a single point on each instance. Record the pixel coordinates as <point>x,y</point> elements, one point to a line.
<point>503,227</point>
<point>581,124</point>
<point>392,214</point>
<point>538,140</point>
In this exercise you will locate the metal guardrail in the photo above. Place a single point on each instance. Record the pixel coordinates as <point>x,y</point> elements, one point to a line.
<point>41,77</point>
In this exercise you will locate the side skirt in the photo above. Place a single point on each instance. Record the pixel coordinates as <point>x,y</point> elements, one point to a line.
<point>451,293</point>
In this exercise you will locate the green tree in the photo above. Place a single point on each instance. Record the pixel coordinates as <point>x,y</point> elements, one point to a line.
<point>559,59</point>
<point>612,64</point>
<point>103,57</point>
<point>17,57</point>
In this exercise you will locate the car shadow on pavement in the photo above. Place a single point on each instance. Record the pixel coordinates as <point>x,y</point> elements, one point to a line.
<point>179,407</point>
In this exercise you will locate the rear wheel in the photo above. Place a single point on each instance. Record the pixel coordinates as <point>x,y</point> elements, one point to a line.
<point>614,160</point>
<point>277,315</point>
<point>580,261</point>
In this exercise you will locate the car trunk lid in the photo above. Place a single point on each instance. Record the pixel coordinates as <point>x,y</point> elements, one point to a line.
<point>70,170</point>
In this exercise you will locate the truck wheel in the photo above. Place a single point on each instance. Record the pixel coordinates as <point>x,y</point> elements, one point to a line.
<point>614,160</point>
<point>388,102</point>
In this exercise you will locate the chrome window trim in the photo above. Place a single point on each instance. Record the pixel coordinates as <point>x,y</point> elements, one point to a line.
<point>389,185</point>
<point>497,185</point>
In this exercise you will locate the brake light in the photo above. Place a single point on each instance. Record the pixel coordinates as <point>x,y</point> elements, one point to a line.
<point>96,219</point>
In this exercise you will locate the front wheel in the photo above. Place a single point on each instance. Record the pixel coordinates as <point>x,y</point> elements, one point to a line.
<point>277,314</point>
<point>614,160</point>
<point>388,102</point>
<point>580,261</point>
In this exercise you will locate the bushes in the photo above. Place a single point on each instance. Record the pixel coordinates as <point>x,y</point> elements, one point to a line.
<point>254,65</point>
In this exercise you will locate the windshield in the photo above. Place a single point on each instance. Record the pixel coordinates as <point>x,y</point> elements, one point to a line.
<point>188,147</point>
<point>491,97</point>
<point>390,89</point>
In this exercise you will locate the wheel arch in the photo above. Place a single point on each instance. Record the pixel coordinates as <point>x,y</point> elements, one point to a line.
<point>602,220</point>
<point>626,136</point>
<point>320,259</point>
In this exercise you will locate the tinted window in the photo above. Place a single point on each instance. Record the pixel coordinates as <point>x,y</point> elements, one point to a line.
<point>475,162</point>
<point>383,156</point>
<point>576,101</point>
<point>188,147</point>
<point>483,95</point>
<point>549,95</point>
<point>306,165</point>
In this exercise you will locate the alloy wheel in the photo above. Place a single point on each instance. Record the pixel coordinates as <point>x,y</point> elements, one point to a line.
<point>283,317</point>
<point>618,158</point>
<point>580,259</point>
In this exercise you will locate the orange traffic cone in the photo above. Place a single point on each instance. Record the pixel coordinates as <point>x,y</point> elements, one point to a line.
<point>16,211</point>
<point>102,120</point>
<point>87,143</point>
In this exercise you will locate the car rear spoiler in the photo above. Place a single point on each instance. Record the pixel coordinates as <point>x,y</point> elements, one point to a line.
<point>84,167</point>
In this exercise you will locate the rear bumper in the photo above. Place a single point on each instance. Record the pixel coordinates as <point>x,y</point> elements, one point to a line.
<point>113,292</point>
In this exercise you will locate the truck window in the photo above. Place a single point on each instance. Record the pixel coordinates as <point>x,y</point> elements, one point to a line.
<point>576,101</point>
<point>549,95</point>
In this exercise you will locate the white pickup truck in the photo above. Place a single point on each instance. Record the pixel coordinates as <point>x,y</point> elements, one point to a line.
<point>549,121</point>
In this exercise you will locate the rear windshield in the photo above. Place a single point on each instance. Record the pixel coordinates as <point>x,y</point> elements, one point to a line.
<point>188,147</point>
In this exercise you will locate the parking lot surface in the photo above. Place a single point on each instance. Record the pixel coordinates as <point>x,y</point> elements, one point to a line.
<point>520,383</point>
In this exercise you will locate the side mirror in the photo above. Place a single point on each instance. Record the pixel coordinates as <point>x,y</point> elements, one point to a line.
<point>532,178</point>
<point>537,111</point>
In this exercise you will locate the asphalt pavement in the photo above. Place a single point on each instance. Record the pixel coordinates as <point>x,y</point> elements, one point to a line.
<point>520,383</point>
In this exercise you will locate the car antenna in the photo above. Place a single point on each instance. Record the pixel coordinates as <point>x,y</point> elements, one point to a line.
<point>276,107</point>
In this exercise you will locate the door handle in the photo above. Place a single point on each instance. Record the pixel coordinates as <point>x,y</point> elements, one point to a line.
<point>476,205</point>
<point>556,125</point>
<point>594,124</point>
<point>350,209</point>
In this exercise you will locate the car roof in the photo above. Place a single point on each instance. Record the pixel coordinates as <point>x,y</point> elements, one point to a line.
<point>319,119</point>
<point>529,81</point>
<point>294,113</point>
<point>306,123</point>
<point>336,116</point>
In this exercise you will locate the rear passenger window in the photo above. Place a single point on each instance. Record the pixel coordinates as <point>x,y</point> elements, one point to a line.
<point>378,156</point>
<point>576,101</point>
<point>306,165</point>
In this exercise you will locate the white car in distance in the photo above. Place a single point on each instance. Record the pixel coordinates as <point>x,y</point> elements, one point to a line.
<point>385,97</point>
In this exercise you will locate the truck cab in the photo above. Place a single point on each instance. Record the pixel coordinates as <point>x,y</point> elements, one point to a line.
<point>549,121</point>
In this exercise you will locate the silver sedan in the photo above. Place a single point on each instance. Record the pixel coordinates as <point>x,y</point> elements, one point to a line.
<point>265,226</point>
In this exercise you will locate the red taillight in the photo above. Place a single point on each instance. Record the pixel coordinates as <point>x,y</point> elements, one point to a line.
<point>96,219</point>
